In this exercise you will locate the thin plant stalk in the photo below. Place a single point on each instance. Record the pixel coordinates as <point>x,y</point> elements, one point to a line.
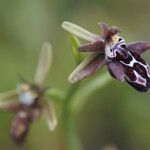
<point>69,121</point>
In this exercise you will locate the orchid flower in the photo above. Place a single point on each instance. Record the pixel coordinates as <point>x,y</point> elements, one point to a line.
<point>29,102</point>
<point>123,61</point>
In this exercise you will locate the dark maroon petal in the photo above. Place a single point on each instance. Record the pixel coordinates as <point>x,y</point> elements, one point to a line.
<point>97,45</point>
<point>105,28</point>
<point>116,70</point>
<point>139,47</point>
<point>87,67</point>
<point>20,127</point>
<point>111,33</point>
<point>108,32</point>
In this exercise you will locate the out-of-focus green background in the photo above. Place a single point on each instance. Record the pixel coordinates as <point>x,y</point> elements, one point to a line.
<point>116,114</point>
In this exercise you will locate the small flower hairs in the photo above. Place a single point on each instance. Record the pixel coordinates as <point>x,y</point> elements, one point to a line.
<point>29,102</point>
<point>123,61</point>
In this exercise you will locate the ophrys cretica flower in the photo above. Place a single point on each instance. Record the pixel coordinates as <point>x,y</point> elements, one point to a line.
<point>123,61</point>
<point>29,102</point>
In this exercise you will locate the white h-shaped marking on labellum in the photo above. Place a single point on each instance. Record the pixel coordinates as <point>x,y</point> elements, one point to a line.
<point>111,50</point>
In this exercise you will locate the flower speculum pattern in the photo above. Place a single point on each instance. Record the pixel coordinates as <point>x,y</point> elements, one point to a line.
<point>123,61</point>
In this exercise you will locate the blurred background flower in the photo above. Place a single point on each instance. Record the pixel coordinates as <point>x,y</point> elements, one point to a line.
<point>116,114</point>
<point>28,102</point>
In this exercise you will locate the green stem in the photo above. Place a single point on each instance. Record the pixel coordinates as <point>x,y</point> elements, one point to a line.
<point>68,120</point>
<point>74,101</point>
<point>87,89</point>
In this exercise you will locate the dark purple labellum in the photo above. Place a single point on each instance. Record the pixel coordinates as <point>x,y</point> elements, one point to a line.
<point>137,74</point>
<point>22,120</point>
<point>20,127</point>
<point>124,61</point>
<point>125,64</point>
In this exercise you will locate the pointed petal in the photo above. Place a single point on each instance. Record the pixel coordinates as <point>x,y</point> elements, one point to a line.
<point>9,95</point>
<point>105,28</point>
<point>11,106</point>
<point>139,47</point>
<point>50,115</point>
<point>79,31</point>
<point>97,45</point>
<point>9,101</point>
<point>44,64</point>
<point>87,67</point>
<point>112,32</point>
<point>108,32</point>
<point>116,70</point>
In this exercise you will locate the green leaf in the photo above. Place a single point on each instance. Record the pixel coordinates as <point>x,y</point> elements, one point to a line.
<point>75,44</point>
